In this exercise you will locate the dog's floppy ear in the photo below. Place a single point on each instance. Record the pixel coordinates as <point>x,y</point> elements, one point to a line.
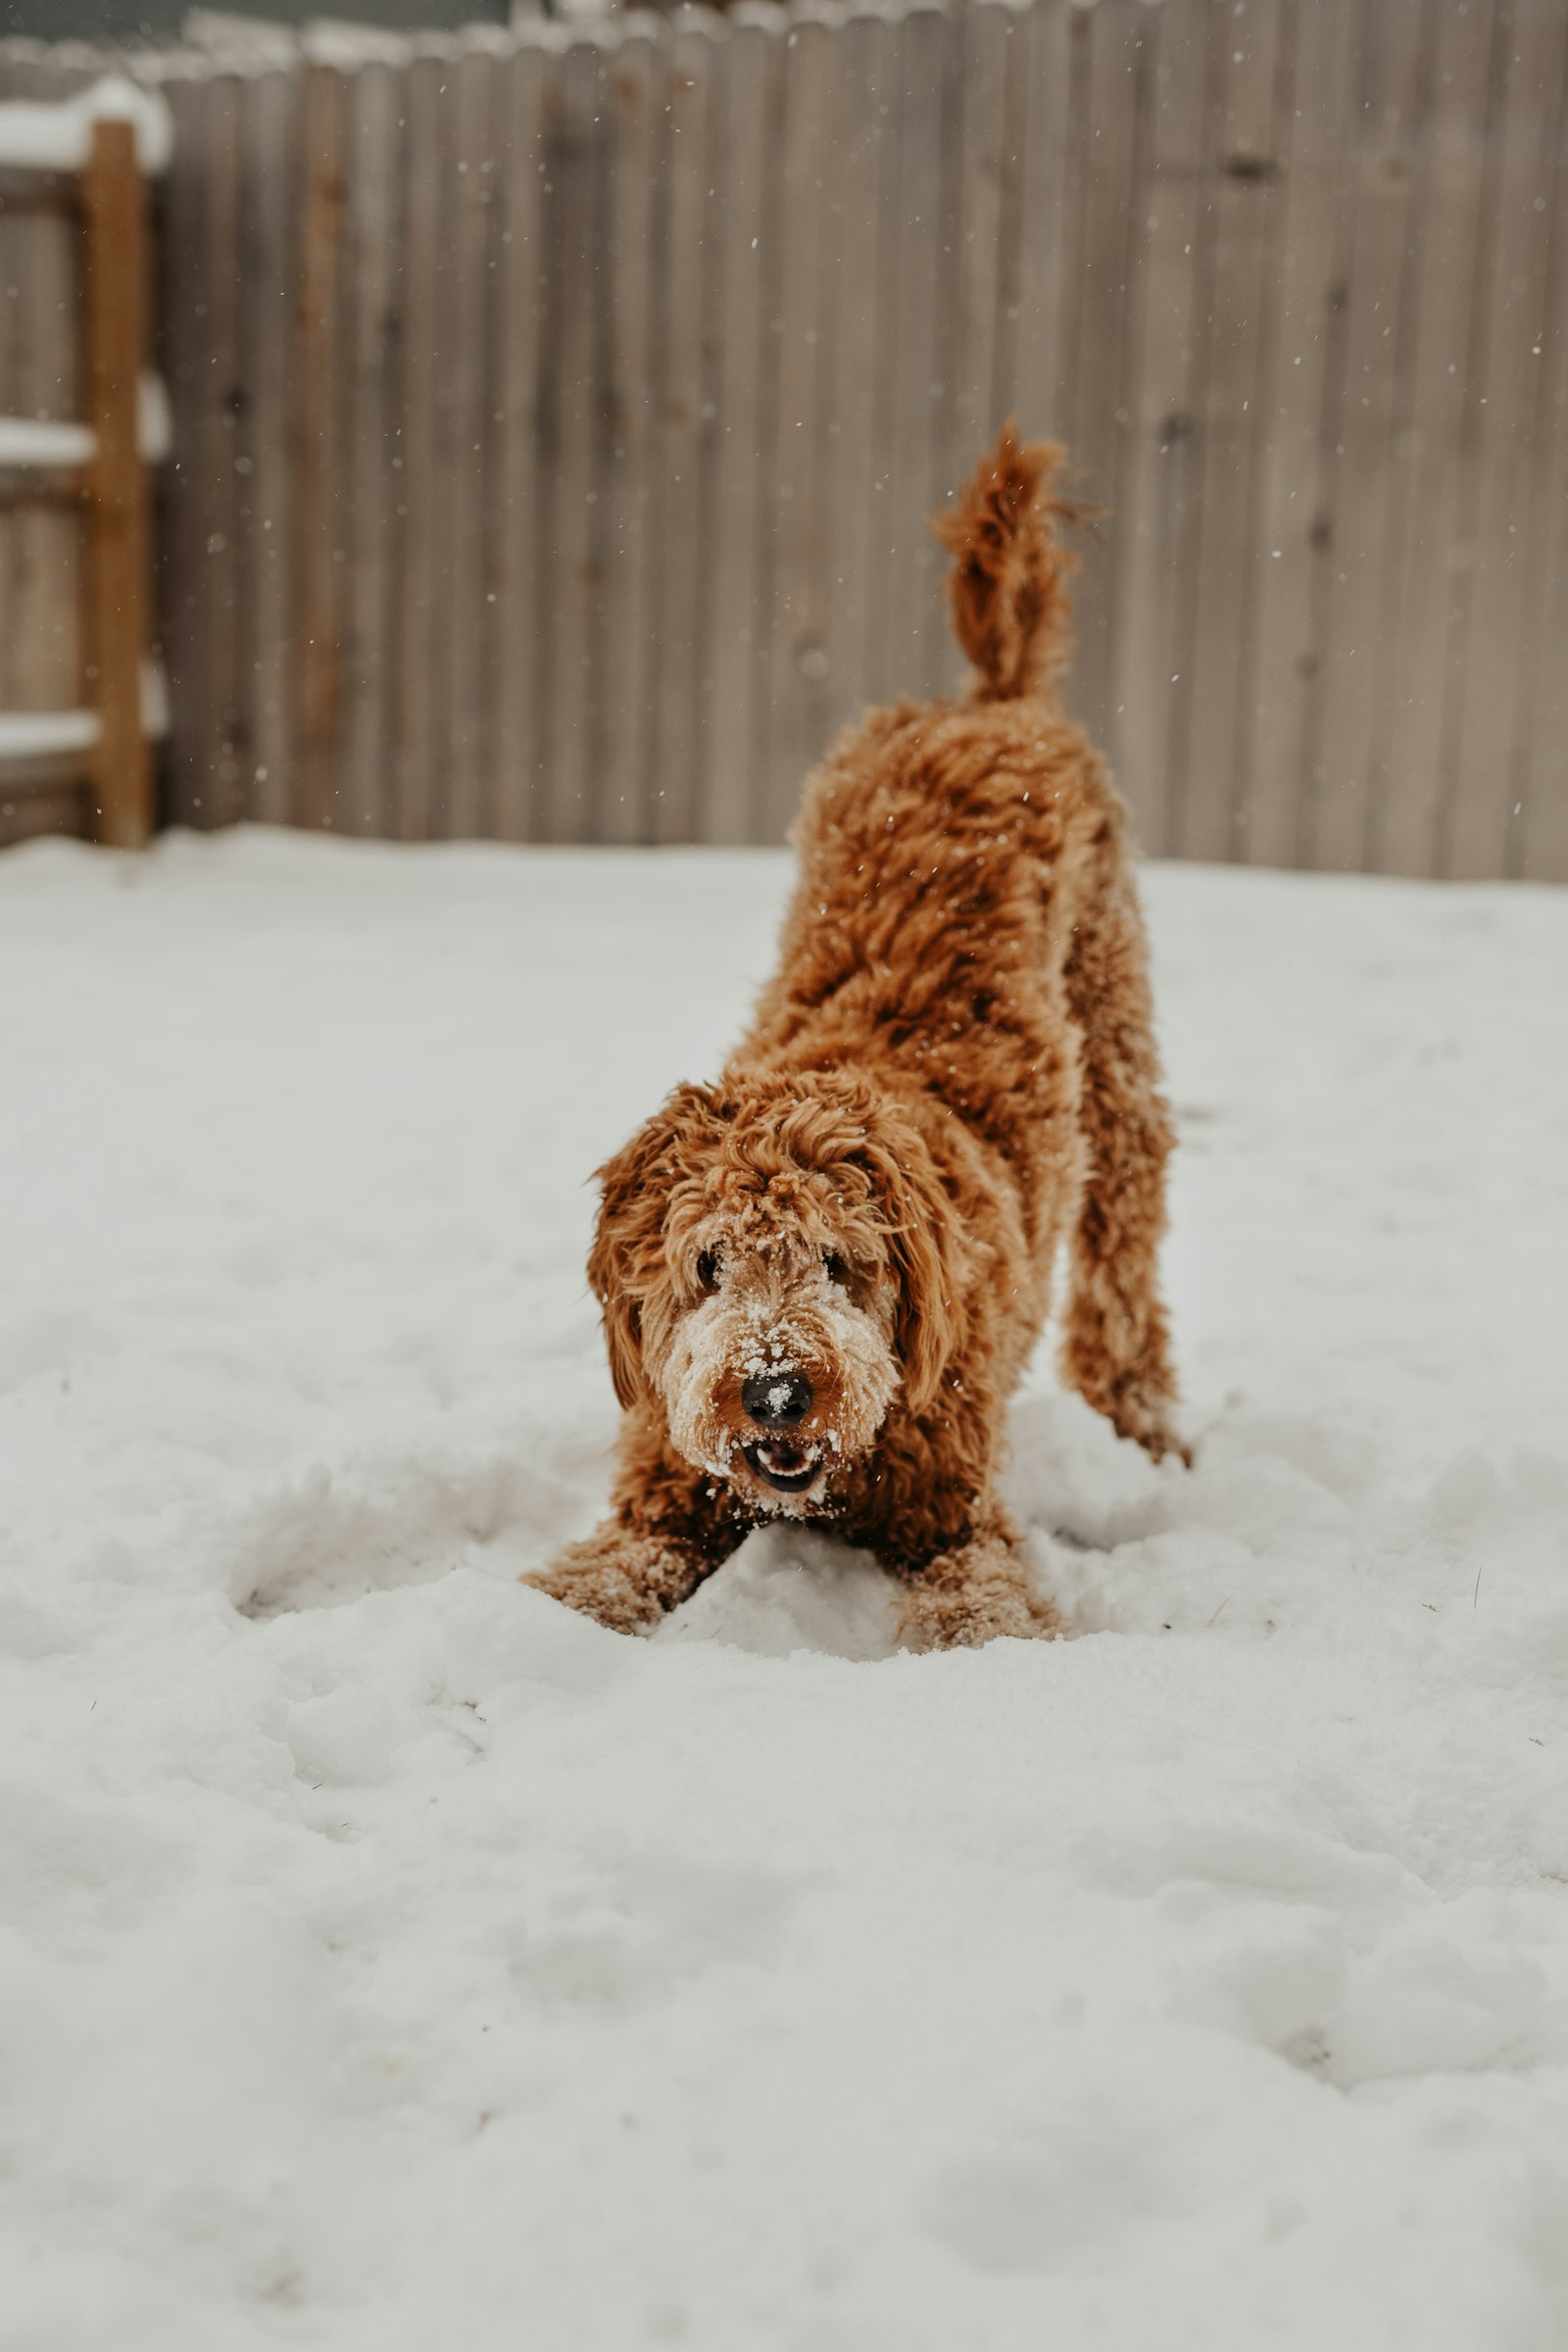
<point>627,1256</point>
<point>931,1257</point>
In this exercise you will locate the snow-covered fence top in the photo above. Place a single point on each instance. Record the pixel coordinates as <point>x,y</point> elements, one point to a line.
<point>556,414</point>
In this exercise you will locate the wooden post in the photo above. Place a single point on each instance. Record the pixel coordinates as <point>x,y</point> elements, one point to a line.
<point>118,597</point>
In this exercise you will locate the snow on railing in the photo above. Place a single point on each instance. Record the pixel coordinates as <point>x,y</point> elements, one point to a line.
<point>49,443</point>
<point>35,735</point>
<point>47,734</point>
<point>35,136</point>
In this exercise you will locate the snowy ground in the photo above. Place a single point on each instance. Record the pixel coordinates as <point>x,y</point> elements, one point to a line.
<point>392,1960</point>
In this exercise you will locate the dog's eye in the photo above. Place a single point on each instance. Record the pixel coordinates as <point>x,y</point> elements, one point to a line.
<point>708,1270</point>
<point>833,1266</point>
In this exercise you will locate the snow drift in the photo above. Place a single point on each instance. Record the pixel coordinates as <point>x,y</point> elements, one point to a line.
<point>393,1959</point>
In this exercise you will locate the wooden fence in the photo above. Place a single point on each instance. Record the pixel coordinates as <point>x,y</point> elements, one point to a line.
<point>555,417</point>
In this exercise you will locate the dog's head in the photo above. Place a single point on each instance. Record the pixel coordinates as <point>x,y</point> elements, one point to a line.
<point>775,1266</point>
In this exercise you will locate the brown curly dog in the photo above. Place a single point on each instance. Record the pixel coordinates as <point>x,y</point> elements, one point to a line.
<point>822,1277</point>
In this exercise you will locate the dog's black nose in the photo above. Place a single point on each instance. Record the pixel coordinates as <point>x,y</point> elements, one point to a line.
<point>777,1400</point>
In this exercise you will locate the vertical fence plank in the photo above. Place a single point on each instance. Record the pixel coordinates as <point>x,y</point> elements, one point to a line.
<point>1368,464</point>
<point>1005,381</point>
<point>634,93</point>
<point>468,123</point>
<point>751,64</point>
<point>1487,823</point>
<point>1046,72</point>
<point>1448,206</point>
<point>569,442</point>
<point>180,348</point>
<point>1239,175</point>
<point>882,332</point>
<point>116,288</point>
<point>449,397</point>
<point>904,562</point>
<point>516,526</point>
<point>14,248</point>
<point>1543,758</point>
<point>795,711</point>
<point>1403,464</point>
<point>321,455</point>
<point>863,151</point>
<point>983,231</point>
<point>373,160</point>
<point>686,333</point>
<point>931,663</point>
<point>268,299</point>
<point>415,462</point>
<point>14,225</point>
<point>778,236</point>
<point>1291,491</point>
<point>229,762</point>
<point>1184,655</point>
<point>1117,38</point>
<point>981,285</point>
<point>201,206</point>
<point>1161,495</point>
<point>1472,443</point>
<point>983,64</point>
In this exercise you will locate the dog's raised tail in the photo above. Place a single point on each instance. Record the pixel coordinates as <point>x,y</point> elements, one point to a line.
<point>1011,611</point>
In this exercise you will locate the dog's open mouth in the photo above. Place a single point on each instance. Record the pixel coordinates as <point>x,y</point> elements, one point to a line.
<point>784,1463</point>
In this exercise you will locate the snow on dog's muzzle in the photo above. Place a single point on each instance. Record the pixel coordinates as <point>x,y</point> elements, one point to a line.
<point>777,1400</point>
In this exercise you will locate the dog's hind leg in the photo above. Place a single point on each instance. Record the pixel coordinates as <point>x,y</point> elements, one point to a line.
<point>1116,1344</point>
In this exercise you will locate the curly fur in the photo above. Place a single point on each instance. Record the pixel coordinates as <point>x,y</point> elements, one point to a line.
<point>951,1073</point>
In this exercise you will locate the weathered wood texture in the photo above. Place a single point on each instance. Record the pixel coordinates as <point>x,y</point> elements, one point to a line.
<point>74,547</point>
<point>115,307</point>
<point>557,416</point>
<point>42,546</point>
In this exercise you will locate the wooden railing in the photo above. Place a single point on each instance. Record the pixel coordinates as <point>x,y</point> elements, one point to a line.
<point>93,755</point>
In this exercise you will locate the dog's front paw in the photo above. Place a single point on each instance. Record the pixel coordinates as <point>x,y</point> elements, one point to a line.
<point>626,1581</point>
<point>976,1594</point>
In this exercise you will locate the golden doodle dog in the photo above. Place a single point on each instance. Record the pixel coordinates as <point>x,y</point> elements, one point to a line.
<point>821,1277</point>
